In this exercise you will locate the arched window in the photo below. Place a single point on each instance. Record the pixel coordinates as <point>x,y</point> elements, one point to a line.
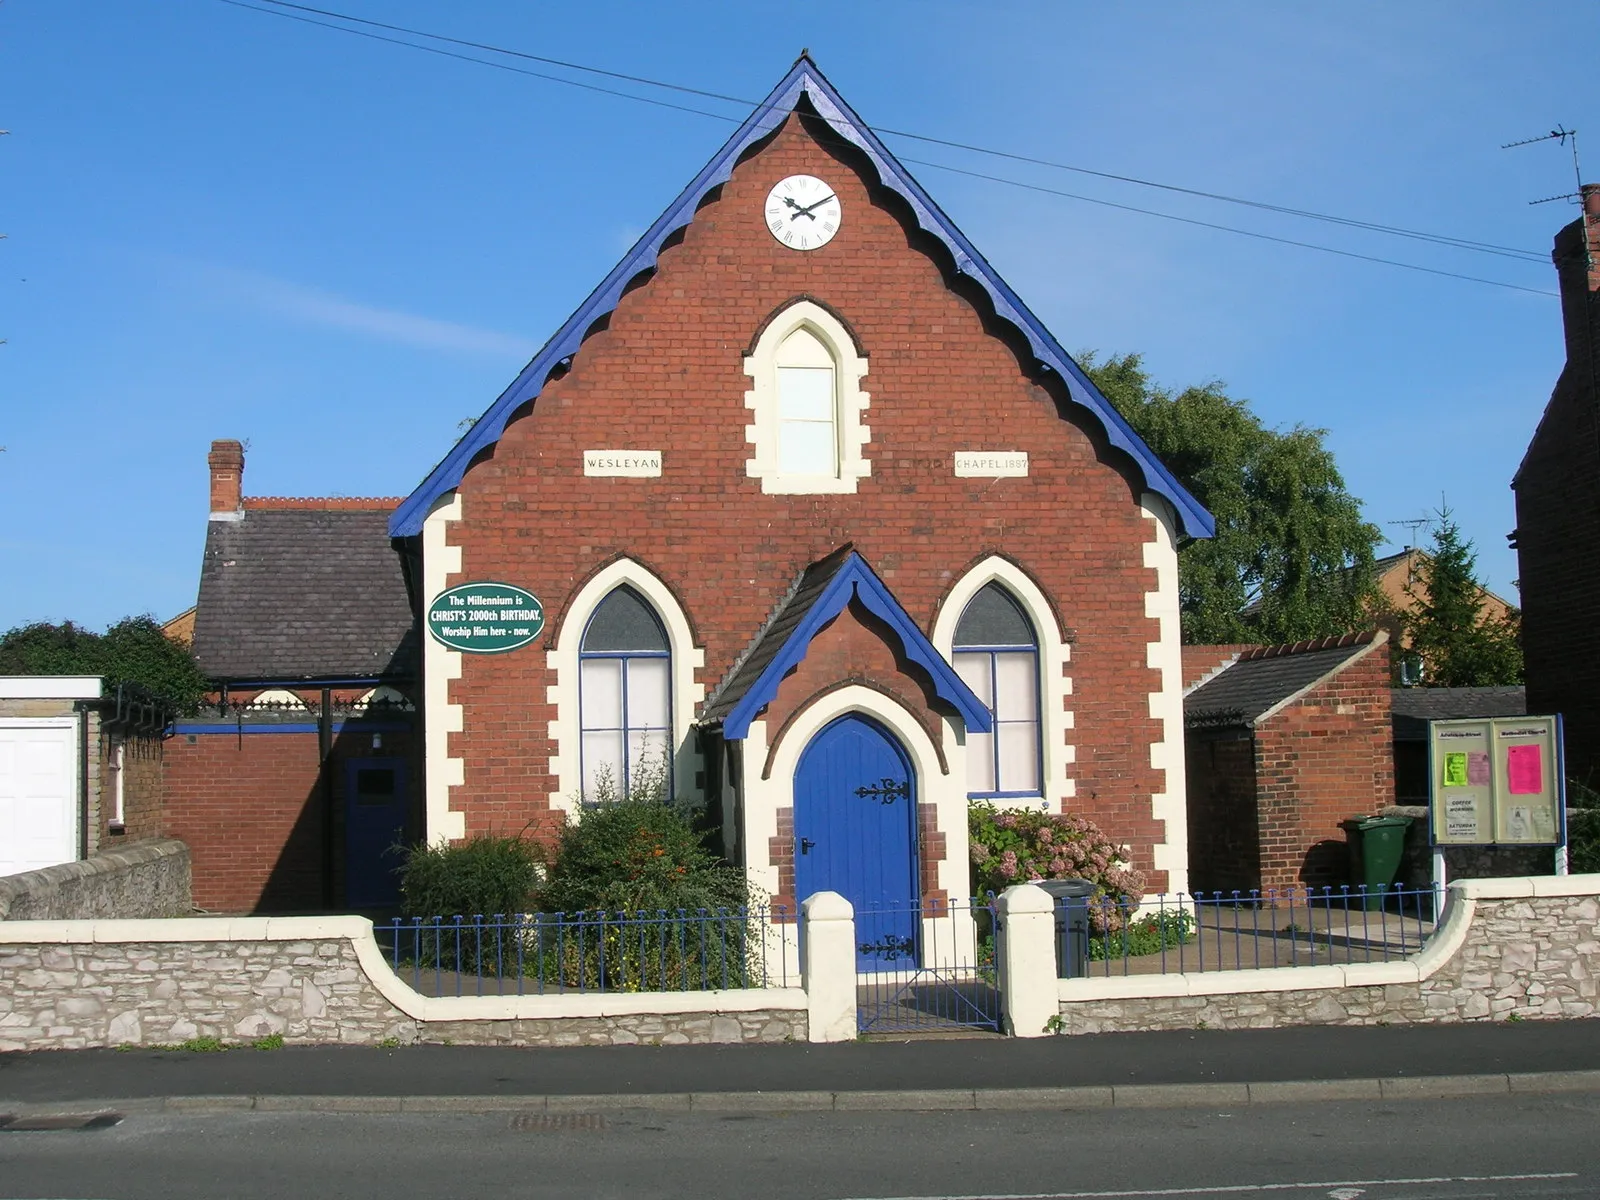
<point>808,434</point>
<point>808,407</point>
<point>996,653</point>
<point>624,697</point>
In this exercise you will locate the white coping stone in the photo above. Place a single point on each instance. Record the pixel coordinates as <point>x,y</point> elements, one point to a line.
<point>1566,885</point>
<point>622,464</point>
<point>50,687</point>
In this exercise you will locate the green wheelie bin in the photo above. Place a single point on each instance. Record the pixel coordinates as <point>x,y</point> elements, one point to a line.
<point>1379,843</point>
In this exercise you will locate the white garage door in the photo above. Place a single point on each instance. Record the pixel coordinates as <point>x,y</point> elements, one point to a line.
<point>38,793</point>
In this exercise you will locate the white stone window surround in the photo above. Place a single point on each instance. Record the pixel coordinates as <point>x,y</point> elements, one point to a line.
<point>761,364</point>
<point>566,761</point>
<point>1055,686</point>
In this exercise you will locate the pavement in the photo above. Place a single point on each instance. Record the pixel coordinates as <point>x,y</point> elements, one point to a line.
<point>1165,1069</point>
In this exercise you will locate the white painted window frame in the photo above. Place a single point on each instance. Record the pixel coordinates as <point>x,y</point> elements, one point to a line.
<point>1056,753</point>
<point>566,760</point>
<point>762,401</point>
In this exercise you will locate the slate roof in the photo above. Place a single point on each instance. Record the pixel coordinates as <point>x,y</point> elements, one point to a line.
<point>1265,677</point>
<point>820,594</point>
<point>1413,708</point>
<point>303,593</point>
<point>804,81</point>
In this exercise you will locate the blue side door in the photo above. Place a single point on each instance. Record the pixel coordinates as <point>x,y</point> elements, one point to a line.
<point>855,821</point>
<point>374,827</point>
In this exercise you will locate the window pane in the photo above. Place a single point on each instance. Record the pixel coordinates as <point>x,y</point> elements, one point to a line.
<point>602,693</point>
<point>805,394</point>
<point>647,759</point>
<point>1017,681</point>
<point>1019,756</point>
<point>623,621</point>
<point>980,762</point>
<point>974,672</point>
<point>602,765</point>
<point>993,618</point>
<point>647,693</point>
<point>807,448</point>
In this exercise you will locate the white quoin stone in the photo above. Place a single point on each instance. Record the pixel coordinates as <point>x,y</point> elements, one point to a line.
<point>1025,955</point>
<point>828,966</point>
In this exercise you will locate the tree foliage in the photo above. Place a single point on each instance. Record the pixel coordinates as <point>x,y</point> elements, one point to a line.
<point>1458,645</point>
<point>134,650</point>
<point>1292,556</point>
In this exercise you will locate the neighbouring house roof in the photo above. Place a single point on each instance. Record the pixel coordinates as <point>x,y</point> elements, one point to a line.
<point>804,80</point>
<point>1413,708</point>
<point>1266,678</point>
<point>1393,589</point>
<point>296,592</point>
<point>818,596</point>
<point>181,627</point>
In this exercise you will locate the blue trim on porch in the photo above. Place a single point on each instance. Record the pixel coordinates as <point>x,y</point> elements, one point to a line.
<point>856,580</point>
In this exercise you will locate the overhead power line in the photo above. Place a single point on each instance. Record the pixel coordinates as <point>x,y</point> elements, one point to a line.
<point>280,8</point>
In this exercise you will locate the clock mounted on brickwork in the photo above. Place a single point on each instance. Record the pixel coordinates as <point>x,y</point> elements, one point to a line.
<point>802,212</point>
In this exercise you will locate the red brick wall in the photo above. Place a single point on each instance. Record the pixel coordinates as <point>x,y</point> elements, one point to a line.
<point>142,785</point>
<point>1558,519</point>
<point>667,373</point>
<point>252,810</point>
<point>1320,761</point>
<point>1200,661</point>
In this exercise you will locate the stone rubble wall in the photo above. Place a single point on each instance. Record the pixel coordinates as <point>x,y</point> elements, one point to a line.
<point>1495,957</point>
<point>314,981</point>
<point>142,879</point>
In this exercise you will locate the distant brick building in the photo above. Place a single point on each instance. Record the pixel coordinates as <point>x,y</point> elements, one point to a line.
<point>1558,511</point>
<point>303,771</point>
<point>1284,743</point>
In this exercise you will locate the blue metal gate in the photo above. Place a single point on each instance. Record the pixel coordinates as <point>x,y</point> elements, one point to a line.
<point>945,982</point>
<point>855,813</point>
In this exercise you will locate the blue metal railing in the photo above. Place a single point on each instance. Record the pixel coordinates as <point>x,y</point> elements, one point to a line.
<point>553,953</point>
<point>1225,931</point>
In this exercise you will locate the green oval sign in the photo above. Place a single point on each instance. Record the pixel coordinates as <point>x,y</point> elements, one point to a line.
<point>485,618</point>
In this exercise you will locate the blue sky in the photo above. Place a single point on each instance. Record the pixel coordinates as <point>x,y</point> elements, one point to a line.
<point>224,224</point>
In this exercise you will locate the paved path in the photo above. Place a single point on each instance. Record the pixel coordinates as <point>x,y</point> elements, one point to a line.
<point>1200,1066</point>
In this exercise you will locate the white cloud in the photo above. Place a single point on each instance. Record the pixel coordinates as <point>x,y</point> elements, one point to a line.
<point>316,307</point>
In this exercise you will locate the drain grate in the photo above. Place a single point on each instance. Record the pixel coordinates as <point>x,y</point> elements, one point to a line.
<point>42,1124</point>
<point>553,1122</point>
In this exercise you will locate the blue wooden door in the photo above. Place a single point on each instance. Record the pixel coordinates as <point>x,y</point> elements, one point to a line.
<point>855,821</point>
<point>374,827</point>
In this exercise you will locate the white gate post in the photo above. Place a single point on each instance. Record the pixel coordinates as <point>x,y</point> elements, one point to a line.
<point>828,966</point>
<point>1025,958</point>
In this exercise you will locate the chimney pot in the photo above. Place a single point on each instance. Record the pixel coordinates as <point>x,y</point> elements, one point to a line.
<point>226,461</point>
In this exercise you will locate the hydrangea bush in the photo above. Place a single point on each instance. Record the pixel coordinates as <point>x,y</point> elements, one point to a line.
<point>1025,845</point>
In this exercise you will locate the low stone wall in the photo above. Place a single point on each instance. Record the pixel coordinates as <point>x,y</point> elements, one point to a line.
<point>316,980</point>
<point>1506,949</point>
<point>144,879</point>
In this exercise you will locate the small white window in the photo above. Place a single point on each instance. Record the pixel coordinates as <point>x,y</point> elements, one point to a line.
<point>808,415</point>
<point>808,435</point>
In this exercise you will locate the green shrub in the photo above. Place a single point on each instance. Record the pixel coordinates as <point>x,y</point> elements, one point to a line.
<point>1026,845</point>
<point>484,875</point>
<point>638,855</point>
<point>1145,935</point>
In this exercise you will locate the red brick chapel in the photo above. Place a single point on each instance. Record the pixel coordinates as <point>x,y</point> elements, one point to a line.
<point>824,528</point>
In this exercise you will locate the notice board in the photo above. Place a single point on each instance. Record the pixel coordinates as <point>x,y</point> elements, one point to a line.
<point>1497,781</point>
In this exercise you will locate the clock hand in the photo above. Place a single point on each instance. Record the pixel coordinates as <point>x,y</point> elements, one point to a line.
<point>806,211</point>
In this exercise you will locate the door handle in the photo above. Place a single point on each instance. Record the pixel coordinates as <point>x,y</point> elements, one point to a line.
<point>805,845</point>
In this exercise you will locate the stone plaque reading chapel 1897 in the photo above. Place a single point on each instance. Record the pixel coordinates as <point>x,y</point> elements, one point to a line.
<point>485,618</point>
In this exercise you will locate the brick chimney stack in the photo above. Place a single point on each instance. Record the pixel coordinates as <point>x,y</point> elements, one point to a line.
<point>226,461</point>
<point>1577,259</point>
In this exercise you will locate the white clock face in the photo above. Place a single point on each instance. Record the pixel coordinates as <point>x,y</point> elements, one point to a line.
<point>802,212</point>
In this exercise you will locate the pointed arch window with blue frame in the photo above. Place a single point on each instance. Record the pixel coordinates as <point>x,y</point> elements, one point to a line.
<point>624,696</point>
<point>996,653</point>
